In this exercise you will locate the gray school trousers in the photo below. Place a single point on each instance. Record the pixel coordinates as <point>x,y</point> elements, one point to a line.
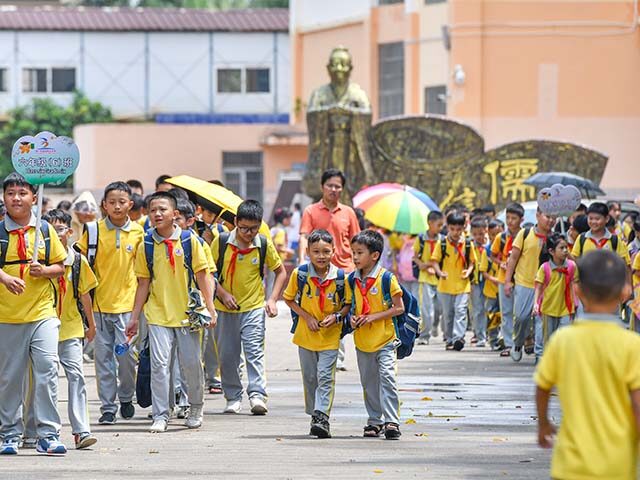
<point>115,376</point>
<point>478,313</point>
<point>211,360</point>
<point>551,324</point>
<point>429,309</point>
<point>318,379</point>
<point>237,332</point>
<point>70,353</point>
<point>523,298</point>
<point>35,342</point>
<point>162,342</point>
<point>506,310</point>
<point>378,379</point>
<point>454,315</point>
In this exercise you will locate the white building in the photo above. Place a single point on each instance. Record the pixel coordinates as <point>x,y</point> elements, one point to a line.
<point>171,65</point>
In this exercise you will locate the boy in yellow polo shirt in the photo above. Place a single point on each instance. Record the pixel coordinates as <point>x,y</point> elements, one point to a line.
<point>375,335</point>
<point>111,246</point>
<point>453,268</point>
<point>595,366</point>
<point>28,320</point>
<point>598,237</point>
<point>241,256</point>
<point>78,276</point>
<point>479,226</point>
<point>525,260</point>
<point>169,265</point>
<point>318,311</point>
<point>427,280</point>
<point>490,270</point>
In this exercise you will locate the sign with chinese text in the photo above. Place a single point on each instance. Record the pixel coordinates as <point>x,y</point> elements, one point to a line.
<point>559,200</point>
<point>45,158</point>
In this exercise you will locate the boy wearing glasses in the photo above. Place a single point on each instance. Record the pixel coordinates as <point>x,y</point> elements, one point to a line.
<point>240,257</point>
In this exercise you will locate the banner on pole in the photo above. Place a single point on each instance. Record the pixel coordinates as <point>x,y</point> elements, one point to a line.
<point>559,200</point>
<point>45,158</point>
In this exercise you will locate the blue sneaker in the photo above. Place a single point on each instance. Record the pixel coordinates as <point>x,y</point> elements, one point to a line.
<point>9,446</point>
<point>51,446</point>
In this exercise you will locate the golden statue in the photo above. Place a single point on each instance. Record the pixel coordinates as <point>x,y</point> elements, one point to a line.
<point>338,121</point>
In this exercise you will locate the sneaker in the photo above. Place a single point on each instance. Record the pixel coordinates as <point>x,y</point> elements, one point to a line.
<point>474,340</point>
<point>194,420</point>
<point>341,368</point>
<point>481,344</point>
<point>536,360</point>
<point>448,346</point>
<point>516,354</point>
<point>84,440</point>
<point>423,341</point>
<point>182,412</point>
<point>9,446</point>
<point>258,406</point>
<point>458,345</point>
<point>158,426</point>
<point>29,443</point>
<point>233,406</point>
<point>320,425</point>
<point>392,431</point>
<point>127,410</point>
<point>107,418</point>
<point>51,446</point>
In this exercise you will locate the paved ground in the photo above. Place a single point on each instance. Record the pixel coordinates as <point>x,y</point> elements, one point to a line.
<point>465,415</point>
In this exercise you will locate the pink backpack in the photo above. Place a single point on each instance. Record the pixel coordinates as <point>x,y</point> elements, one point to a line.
<point>405,259</point>
<point>571,267</point>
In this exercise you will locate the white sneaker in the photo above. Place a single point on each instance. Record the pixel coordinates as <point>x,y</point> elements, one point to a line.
<point>516,354</point>
<point>233,406</point>
<point>194,420</point>
<point>159,426</point>
<point>258,406</point>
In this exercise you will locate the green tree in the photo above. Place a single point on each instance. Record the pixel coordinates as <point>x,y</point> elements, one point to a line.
<point>45,114</point>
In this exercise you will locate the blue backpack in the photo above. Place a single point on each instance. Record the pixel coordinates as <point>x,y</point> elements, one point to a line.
<point>185,241</point>
<point>303,276</point>
<point>407,324</point>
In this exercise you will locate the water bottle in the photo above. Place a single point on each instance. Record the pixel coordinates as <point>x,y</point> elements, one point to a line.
<point>122,348</point>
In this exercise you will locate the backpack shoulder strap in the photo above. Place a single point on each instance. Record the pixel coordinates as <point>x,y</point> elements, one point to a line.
<point>340,285</point>
<point>582,239</point>
<point>185,241</point>
<point>467,251</point>
<point>614,243</point>
<point>222,248</point>
<point>527,231</point>
<point>44,228</point>
<point>571,267</point>
<point>386,287</point>
<point>503,241</point>
<point>148,251</point>
<point>75,274</point>
<point>443,251</point>
<point>4,243</point>
<point>546,266</point>
<point>263,253</point>
<point>303,275</point>
<point>92,241</point>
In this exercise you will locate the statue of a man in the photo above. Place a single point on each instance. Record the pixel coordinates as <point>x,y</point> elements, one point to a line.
<point>339,120</point>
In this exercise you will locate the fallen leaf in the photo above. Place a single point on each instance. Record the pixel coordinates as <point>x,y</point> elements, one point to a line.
<point>526,460</point>
<point>421,434</point>
<point>278,439</point>
<point>377,471</point>
<point>456,428</point>
<point>411,421</point>
<point>426,399</point>
<point>499,439</point>
<point>153,450</point>
<point>518,406</point>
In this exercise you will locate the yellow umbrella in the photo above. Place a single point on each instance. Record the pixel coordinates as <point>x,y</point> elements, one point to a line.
<point>221,201</point>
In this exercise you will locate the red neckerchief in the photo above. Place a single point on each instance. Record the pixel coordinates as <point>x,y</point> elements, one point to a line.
<point>432,245</point>
<point>541,237</point>
<point>599,243</point>
<point>22,247</point>
<point>231,270</point>
<point>322,287</point>
<point>172,259</point>
<point>364,290</point>
<point>62,291</point>
<point>508,246</point>
<point>568,298</point>
<point>458,247</point>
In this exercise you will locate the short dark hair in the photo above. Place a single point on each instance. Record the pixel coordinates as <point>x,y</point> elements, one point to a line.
<point>516,209</point>
<point>598,208</point>
<point>636,225</point>
<point>456,218</point>
<point>147,200</point>
<point>250,210</point>
<point>162,179</point>
<point>581,223</point>
<point>612,204</point>
<point>3,210</point>
<point>280,214</point>
<point>57,215</point>
<point>186,208</point>
<point>603,275</point>
<point>581,208</point>
<point>370,239</point>
<point>319,235</point>
<point>117,187</point>
<point>434,216</point>
<point>476,212</point>
<point>163,195</point>
<point>64,205</point>
<point>553,240</point>
<point>14,179</point>
<point>479,222</point>
<point>133,183</point>
<point>179,193</point>
<point>138,201</point>
<point>495,223</point>
<point>330,173</point>
<point>490,208</point>
<point>561,226</point>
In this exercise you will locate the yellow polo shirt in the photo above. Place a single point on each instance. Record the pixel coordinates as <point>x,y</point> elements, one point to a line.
<point>594,364</point>
<point>37,301</point>
<point>453,265</point>
<point>326,338</point>
<point>248,287</point>
<point>425,256</point>
<point>374,336</point>
<point>71,325</point>
<point>114,265</point>
<point>589,245</point>
<point>490,289</point>
<point>497,252</point>
<point>168,299</point>
<point>636,268</point>
<point>553,302</point>
<point>529,260</point>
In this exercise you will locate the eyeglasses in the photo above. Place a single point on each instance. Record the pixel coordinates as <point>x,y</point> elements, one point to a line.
<point>246,230</point>
<point>61,230</point>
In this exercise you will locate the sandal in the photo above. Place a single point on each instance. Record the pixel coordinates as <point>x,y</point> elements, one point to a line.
<point>372,431</point>
<point>215,390</point>
<point>392,431</point>
<point>506,352</point>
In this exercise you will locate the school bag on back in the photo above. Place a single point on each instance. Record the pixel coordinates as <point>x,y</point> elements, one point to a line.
<point>222,248</point>
<point>143,379</point>
<point>4,245</point>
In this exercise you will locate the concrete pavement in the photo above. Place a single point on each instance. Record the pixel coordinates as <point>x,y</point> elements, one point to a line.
<point>465,415</point>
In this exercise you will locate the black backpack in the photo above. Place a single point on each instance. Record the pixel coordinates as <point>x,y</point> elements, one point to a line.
<point>222,248</point>
<point>443,247</point>
<point>583,238</point>
<point>4,245</point>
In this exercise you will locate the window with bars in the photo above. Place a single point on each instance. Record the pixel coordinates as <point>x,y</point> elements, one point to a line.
<point>391,79</point>
<point>4,80</point>
<point>435,99</point>
<point>63,79</point>
<point>243,174</point>
<point>257,80</point>
<point>244,80</point>
<point>34,80</point>
<point>229,80</point>
<point>48,80</point>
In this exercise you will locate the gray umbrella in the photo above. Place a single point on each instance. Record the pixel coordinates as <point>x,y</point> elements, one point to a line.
<point>548,179</point>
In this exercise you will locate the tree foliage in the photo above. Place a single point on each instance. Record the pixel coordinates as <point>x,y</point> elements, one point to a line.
<point>45,114</point>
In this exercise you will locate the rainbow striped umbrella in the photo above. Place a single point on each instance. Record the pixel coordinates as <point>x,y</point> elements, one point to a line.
<point>396,207</point>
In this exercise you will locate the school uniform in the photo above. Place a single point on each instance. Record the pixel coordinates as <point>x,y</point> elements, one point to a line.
<point>112,304</point>
<point>478,312</point>
<point>502,252</point>
<point>165,311</point>
<point>318,351</point>
<point>29,333</point>
<point>490,293</point>
<point>375,347</point>
<point>604,243</point>
<point>557,304</point>
<point>209,347</point>
<point>69,347</point>
<point>243,330</point>
<point>454,290</point>
<point>427,290</point>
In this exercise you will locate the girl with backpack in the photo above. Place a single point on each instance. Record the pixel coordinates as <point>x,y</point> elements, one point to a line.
<point>555,299</point>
